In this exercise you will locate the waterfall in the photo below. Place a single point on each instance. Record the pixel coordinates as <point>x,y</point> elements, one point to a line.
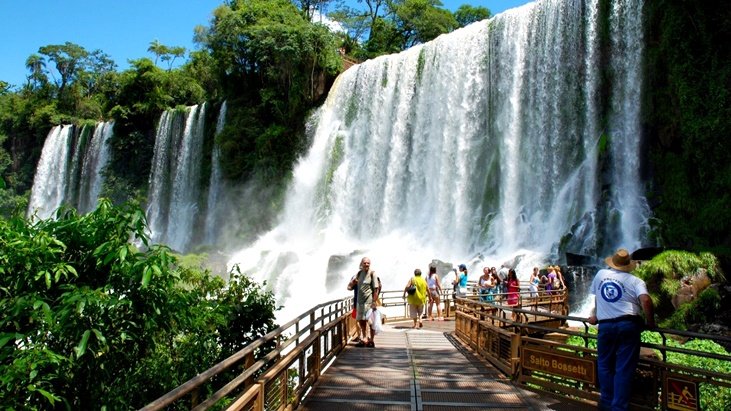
<point>70,169</point>
<point>481,147</point>
<point>629,203</point>
<point>49,182</point>
<point>94,161</point>
<point>215,185</point>
<point>175,177</point>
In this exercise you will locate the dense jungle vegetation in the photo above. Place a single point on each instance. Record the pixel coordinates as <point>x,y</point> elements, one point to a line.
<point>78,300</point>
<point>687,108</point>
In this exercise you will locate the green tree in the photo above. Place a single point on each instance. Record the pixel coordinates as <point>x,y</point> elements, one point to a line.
<point>88,320</point>
<point>174,53</point>
<point>68,59</point>
<point>165,53</point>
<point>274,60</point>
<point>467,14</point>
<point>158,49</point>
<point>392,26</point>
<point>419,21</point>
<point>36,65</point>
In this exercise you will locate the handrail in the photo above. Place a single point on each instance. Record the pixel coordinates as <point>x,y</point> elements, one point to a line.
<point>496,331</point>
<point>498,334</point>
<point>328,327</point>
<point>331,312</point>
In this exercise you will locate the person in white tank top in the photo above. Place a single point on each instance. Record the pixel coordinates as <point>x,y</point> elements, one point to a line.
<point>435,291</point>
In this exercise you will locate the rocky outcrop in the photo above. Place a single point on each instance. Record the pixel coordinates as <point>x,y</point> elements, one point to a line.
<point>690,287</point>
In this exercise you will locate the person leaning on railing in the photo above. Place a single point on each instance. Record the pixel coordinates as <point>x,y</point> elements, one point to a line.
<point>620,298</point>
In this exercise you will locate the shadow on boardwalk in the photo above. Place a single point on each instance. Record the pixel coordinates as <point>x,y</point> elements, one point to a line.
<point>425,369</point>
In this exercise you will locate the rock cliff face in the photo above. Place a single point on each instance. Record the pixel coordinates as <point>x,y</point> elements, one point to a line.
<point>690,287</point>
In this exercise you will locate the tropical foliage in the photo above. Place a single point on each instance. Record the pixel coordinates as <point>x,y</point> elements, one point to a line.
<point>92,316</point>
<point>664,276</point>
<point>688,106</point>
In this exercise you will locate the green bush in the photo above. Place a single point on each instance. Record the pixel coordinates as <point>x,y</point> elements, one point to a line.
<point>93,316</point>
<point>663,275</point>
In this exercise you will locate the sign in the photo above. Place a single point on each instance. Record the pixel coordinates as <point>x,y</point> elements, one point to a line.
<point>681,394</point>
<point>559,363</point>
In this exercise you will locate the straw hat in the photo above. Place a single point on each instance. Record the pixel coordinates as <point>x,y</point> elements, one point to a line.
<point>621,261</point>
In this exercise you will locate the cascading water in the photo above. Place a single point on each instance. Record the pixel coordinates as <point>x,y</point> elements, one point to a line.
<point>175,176</point>
<point>70,169</point>
<point>482,146</point>
<point>627,195</point>
<point>49,182</point>
<point>215,185</point>
<point>95,159</point>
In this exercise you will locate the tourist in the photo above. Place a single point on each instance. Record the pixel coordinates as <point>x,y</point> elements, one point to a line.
<point>503,274</point>
<point>366,284</point>
<point>561,283</point>
<point>452,278</point>
<point>435,291</point>
<point>533,282</point>
<point>513,287</point>
<point>619,298</point>
<point>486,285</point>
<point>417,298</point>
<point>550,279</point>
<point>461,282</point>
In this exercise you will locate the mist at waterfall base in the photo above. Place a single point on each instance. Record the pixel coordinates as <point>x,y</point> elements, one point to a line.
<point>480,147</point>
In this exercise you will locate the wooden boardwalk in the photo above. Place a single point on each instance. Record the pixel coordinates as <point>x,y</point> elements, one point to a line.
<point>425,369</point>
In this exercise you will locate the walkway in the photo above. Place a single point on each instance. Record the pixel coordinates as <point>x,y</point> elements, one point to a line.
<point>424,369</point>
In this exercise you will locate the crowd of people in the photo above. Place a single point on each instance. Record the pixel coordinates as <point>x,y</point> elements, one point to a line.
<point>505,282</point>
<point>424,294</point>
<point>620,301</point>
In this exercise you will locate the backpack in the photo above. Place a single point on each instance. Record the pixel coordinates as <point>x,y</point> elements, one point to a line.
<point>556,283</point>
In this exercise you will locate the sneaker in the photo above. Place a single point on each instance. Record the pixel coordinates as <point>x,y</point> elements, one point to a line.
<point>441,318</point>
<point>370,344</point>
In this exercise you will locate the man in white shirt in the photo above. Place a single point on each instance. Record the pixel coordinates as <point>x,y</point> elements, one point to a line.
<point>620,299</point>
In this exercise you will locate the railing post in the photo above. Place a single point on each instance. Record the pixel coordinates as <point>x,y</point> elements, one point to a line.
<point>515,342</point>
<point>317,350</point>
<point>248,363</point>
<point>259,403</point>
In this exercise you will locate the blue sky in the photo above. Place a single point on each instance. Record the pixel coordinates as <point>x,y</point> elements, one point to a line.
<point>123,29</point>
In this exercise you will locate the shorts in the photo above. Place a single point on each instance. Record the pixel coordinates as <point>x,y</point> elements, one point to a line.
<point>415,311</point>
